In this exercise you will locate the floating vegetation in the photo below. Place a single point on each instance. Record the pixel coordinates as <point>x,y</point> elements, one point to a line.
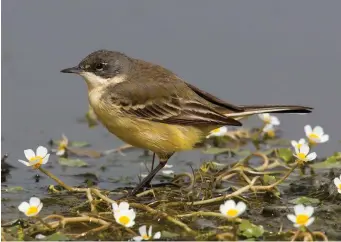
<point>257,187</point>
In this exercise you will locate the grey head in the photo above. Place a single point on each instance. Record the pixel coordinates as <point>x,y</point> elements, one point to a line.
<point>101,67</point>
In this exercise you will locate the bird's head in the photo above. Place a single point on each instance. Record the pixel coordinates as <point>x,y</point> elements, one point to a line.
<point>102,67</point>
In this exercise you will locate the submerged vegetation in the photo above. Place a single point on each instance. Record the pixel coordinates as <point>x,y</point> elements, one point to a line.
<point>257,187</point>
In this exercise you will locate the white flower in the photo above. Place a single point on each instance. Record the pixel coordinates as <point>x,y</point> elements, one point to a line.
<point>40,236</point>
<point>297,145</point>
<point>61,150</point>
<point>316,135</point>
<point>41,157</point>
<point>269,119</point>
<point>302,216</point>
<point>32,208</point>
<point>117,208</point>
<point>145,236</point>
<point>217,132</point>
<point>303,153</point>
<point>269,130</point>
<point>337,182</point>
<point>231,209</point>
<point>125,217</point>
<point>168,172</point>
<point>167,166</point>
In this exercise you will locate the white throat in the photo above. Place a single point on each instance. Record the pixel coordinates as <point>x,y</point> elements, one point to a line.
<point>94,81</point>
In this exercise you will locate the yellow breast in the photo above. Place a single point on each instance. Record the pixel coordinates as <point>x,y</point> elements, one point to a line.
<point>154,136</point>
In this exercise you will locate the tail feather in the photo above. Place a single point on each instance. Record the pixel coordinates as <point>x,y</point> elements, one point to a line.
<point>250,110</point>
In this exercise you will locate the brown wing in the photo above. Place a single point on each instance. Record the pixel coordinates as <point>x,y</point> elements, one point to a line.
<point>166,102</point>
<point>212,99</point>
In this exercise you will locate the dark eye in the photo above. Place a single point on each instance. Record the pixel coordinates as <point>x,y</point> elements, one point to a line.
<point>99,66</point>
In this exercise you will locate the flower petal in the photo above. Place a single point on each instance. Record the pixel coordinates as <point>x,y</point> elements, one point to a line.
<point>311,156</point>
<point>299,209</point>
<point>130,224</point>
<point>337,181</point>
<point>60,152</point>
<point>230,204</point>
<point>324,138</point>
<point>29,154</point>
<point>268,127</point>
<point>297,150</point>
<point>167,172</point>
<point>46,159</point>
<point>275,120</point>
<point>304,149</point>
<point>137,238</point>
<point>143,230</point>
<point>318,130</point>
<point>263,116</point>
<point>292,218</point>
<point>23,207</point>
<point>310,221</point>
<point>294,143</point>
<point>34,201</point>
<point>41,151</point>
<point>40,207</point>
<point>40,236</point>
<point>123,206</point>
<point>241,207</point>
<point>309,210</point>
<point>308,130</point>
<point>114,206</point>
<point>24,162</point>
<point>157,235</point>
<point>150,231</point>
<point>302,141</point>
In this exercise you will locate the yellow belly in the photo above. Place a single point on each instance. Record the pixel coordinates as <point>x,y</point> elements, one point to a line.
<point>154,136</point>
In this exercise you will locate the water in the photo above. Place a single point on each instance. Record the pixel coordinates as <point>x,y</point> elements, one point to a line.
<point>262,52</point>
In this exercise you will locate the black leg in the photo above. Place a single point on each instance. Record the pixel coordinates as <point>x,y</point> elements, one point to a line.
<point>153,161</point>
<point>148,178</point>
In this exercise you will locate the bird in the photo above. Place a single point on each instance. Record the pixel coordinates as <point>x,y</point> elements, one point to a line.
<point>151,107</point>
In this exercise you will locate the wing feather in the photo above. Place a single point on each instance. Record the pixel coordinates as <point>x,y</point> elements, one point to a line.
<point>165,102</point>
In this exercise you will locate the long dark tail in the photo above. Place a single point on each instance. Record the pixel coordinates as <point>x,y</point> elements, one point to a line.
<point>250,110</point>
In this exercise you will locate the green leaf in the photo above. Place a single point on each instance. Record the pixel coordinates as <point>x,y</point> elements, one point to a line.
<point>243,153</point>
<point>250,230</point>
<point>330,162</point>
<point>79,144</point>
<point>269,179</point>
<point>57,237</point>
<point>72,162</point>
<point>279,142</point>
<point>14,189</point>
<point>216,151</point>
<point>305,201</point>
<point>285,154</point>
<point>168,235</point>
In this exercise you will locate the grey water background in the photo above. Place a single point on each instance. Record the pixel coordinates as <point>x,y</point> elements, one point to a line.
<point>246,52</point>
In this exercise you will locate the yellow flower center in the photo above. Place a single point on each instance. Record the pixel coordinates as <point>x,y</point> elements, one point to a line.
<point>340,186</point>
<point>232,212</point>
<point>215,131</point>
<point>38,160</point>
<point>301,156</point>
<point>302,219</point>
<point>124,220</point>
<point>313,137</point>
<point>32,210</point>
<point>62,146</point>
<point>271,133</point>
<point>145,237</point>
